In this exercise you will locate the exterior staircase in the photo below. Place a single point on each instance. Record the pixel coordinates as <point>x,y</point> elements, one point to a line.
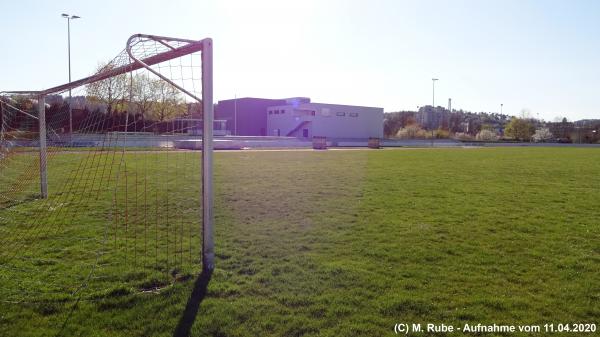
<point>297,128</point>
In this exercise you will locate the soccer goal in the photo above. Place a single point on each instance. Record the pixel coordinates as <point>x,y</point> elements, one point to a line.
<point>93,191</point>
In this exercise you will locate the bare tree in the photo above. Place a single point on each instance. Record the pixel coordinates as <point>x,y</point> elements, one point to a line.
<point>144,95</point>
<point>169,102</point>
<point>111,91</point>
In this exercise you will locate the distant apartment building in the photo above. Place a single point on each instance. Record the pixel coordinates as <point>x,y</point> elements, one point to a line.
<point>433,118</point>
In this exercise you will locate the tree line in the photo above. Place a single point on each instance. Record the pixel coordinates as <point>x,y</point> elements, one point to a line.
<point>141,94</point>
<point>483,126</point>
<point>127,102</point>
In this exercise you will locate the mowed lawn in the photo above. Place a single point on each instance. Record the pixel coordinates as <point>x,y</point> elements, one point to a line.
<point>348,243</point>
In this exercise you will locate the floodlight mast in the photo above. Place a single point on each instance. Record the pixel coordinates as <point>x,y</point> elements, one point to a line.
<point>433,106</point>
<point>69,18</point>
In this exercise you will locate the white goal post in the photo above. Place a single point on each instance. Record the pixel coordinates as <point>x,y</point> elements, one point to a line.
<point>139,56</point>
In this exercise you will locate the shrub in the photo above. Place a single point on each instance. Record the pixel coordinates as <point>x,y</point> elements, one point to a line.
<point>519,129</point>
<point>436,134</point>
<point>542,135</point>
<point>411,132</point>
<point>414,131</point>
<point>463,136</point>
<point>487,136</point>
<point>442,134</point>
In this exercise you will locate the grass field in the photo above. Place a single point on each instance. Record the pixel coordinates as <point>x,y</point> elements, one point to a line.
<point>348,243</point>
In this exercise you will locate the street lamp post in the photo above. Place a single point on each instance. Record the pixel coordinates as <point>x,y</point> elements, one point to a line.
<point>433,106</point>
<point>433,82</point>
<point>501,107</point>
<point>69,18</point>
<point>235,115</point>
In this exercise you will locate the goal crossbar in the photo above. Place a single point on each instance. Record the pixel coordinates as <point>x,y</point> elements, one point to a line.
<point>192,46</point>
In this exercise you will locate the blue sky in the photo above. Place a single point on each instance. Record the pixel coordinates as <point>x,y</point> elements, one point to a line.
<point>543,56</point>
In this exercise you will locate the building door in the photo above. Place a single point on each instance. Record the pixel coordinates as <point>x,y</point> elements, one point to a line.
<point>305,133</point>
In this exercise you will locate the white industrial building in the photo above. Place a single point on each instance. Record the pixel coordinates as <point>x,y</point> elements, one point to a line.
<point>299,118</point>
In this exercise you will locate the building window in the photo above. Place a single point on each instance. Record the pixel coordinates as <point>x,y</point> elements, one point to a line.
<point>282,111</point>
<point>354,114</point>
<point>341,114</point>
<point>303,112</point>
<point>270,112</point>
<point>277,112</point>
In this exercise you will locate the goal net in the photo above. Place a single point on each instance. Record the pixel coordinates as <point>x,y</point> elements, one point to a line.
<point>96,194</point>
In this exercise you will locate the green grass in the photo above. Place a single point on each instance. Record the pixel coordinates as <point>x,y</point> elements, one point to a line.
<point>331,243</point>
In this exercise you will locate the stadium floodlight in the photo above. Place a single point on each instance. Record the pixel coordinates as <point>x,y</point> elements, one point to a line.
<point>433,81</point>
<point>69,18</point>
<point>433,108</point>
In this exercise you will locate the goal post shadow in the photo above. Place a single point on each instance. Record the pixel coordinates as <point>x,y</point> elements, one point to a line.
<point>192,307</point>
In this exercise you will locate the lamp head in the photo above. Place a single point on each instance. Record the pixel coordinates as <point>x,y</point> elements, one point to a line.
<point>75,17</point>
<point>65,15</point>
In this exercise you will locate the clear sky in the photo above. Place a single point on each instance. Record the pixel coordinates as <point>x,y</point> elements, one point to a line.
<point>543,56</point>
